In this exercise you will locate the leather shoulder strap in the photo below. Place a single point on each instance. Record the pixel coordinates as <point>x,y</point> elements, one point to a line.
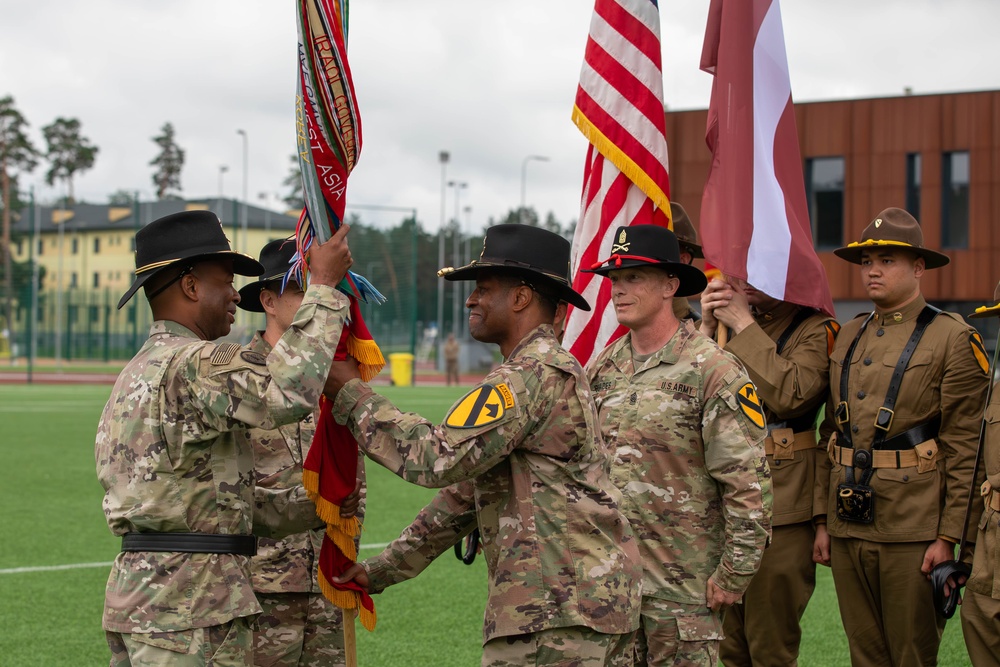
<point>883,420</point>
<point>800,317</point>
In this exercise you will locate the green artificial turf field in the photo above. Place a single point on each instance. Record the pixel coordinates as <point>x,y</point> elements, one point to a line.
<point>52,517</point>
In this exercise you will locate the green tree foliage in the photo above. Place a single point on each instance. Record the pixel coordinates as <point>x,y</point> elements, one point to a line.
<point>294,199</point>
<point>17,155</point>
<point>168,163</point>
<point>68,152</point>
<point>121,198</point>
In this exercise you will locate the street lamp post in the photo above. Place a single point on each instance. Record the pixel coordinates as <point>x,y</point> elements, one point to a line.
<point>222,170</point>
<point>443,157</point>
<point>244,244</point>
<point>468,258</point>
<point>524,180</point>
<point>456,326</point>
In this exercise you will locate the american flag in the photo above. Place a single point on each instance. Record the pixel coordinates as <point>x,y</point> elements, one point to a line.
<point>754,213</point>
<point>619,109</point>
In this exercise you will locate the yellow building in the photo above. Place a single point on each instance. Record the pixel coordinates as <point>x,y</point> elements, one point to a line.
<point>86,256</point>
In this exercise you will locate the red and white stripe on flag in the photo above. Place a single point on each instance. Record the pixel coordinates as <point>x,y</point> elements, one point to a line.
<point>754,213</point>
<point>619,109</point>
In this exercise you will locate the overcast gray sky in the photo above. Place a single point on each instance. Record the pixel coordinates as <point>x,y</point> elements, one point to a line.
<point>489,82</point>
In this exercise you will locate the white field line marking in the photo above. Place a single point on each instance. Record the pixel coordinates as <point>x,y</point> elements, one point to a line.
<point>77,566</point>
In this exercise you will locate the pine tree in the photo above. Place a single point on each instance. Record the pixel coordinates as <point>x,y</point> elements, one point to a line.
<point>168,163</point>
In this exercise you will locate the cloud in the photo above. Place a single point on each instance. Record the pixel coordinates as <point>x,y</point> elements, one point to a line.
<point>490,83</point>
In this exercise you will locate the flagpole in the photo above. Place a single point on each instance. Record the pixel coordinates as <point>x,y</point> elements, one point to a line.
<point>350,638</point>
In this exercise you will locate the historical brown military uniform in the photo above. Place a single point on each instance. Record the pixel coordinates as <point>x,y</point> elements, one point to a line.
<point>763,629</point>
<point>920,473</point>
<point>981,603</point>
<point>687,242</point>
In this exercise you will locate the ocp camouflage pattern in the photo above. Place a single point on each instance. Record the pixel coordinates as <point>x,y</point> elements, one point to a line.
<point>689,462</point>
<point>558,550</point>
<point>173,456</point>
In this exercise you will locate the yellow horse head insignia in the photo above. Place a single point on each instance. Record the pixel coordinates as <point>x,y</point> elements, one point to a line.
<point>750,404</point>
<point>482,406</point>
<point>979,351</point>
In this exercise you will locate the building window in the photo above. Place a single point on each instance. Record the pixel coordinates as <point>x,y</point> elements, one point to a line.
<point>955,200</point>
<point>72,279</point>
<point>97,279</point>
<point>913,163</point>
<point>825,192</point>
<point>41,246</point>
<point>74,246</point>
<point>97,244</point>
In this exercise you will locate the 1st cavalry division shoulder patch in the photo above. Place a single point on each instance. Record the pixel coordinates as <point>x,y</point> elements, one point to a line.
<point>979,351</point>
<point>750,404</point>
<point>482,406</point>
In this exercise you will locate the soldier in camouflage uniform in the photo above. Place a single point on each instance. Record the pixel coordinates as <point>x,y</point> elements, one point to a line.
<point>172,450</point>
<point>687,430</point>
<point>298,626</point>
<point>521,457</point>
<point>786,351</point>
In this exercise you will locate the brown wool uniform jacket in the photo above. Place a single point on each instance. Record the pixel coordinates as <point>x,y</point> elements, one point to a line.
<point>790,385</point>
<point>986,562</point>
<point>945,376</point>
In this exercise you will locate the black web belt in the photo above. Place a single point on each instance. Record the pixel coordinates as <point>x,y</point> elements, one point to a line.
<point>806,422</point>
<point>883,420</point>
<point>198,543</point>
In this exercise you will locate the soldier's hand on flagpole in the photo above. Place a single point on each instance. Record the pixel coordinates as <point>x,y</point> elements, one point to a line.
<point>329,262</point>
<point>355,573</point>
<point>351,503</point>
<point>713,297</point>
<point>341,372</point>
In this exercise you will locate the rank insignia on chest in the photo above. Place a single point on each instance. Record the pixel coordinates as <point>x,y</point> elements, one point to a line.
<point>979,351</point>
<point>750,404</point>
<point>482,406</point>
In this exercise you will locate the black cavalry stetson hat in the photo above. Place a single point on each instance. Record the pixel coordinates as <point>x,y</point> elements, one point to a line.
<point>276,257</point>
<point>530,251</point>
<point>188,235</point>
<point>651,245</point>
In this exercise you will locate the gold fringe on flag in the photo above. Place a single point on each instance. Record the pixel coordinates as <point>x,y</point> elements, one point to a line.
<point>369,356</point>
<point>626,165</point>
<point>348,600</point>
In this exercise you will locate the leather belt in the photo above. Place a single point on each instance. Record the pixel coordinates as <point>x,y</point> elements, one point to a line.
<point>881,458</point>
<point>912,437</point>
<point>805,422</point>
<point>201,543</point>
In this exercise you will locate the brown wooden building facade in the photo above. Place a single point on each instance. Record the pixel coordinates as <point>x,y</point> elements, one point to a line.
<point>937,156</point>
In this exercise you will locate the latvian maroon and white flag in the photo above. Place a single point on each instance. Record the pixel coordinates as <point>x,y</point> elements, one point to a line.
<point>619,108</point>
<point>754,214</point>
